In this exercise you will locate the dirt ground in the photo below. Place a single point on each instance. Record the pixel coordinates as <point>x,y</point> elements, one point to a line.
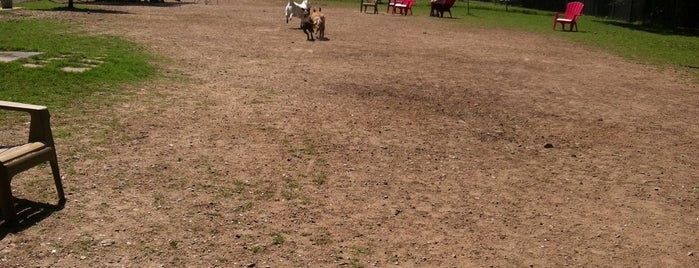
<point>397,142</point>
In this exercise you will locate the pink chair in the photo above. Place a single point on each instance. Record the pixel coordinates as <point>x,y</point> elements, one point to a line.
<point>404,7</point>
<point>392,3</point>
<point>573,11</point>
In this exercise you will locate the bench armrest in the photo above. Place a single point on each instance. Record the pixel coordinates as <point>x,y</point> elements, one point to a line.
<point>22,107</point>
<point>40,125</point>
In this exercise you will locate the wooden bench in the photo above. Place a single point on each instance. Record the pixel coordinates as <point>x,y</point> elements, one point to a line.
<point>15,159</point>
<point>369,3</point>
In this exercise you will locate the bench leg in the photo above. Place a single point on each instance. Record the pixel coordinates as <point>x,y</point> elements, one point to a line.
<point>7,202</point>
<point>59,184</point>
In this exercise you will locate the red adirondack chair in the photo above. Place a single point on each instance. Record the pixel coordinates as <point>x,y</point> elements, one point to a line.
<point>404,7</point>
<point>573,12</point>
<point>438,8</point>
<point>392,3</point>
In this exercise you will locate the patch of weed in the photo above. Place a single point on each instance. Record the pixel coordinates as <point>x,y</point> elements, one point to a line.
<point>277,239</point>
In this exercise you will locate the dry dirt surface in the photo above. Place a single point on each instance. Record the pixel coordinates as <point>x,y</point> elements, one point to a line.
<point>396,142</point>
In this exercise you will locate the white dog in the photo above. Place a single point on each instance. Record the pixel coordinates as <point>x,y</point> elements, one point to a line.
<point>296,10</point>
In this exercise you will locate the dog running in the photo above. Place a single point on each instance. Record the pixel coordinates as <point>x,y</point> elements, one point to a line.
<point>318,24</point>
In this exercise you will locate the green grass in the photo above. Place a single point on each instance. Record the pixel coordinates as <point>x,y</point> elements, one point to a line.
<point>113,61</point>
<point>659,46</point>
<point>278,239</point>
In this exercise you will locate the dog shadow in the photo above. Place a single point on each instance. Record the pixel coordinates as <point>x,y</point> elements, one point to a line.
<point>324,39</point>
<point>29,213</point>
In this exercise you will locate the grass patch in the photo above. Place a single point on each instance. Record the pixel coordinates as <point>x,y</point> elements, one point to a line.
<point>112,63</point>
<point>290,192</point>
<point>244,208</point>
<point>174,244</point>
<point>278,239</point>
<point>363,251</point>
<point>323,238</point>
<point>320,177</point>
<point>356,264</point>
<point>257,249</point>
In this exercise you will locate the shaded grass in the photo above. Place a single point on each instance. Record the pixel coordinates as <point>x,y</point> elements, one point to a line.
<point>48,5</point>
<point>44,5</point>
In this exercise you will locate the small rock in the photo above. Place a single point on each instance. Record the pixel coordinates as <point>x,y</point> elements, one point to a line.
<point>107,242</point>
<point>548,146</point>
<point>690,254</point>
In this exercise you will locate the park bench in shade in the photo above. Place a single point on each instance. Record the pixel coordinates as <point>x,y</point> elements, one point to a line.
<point>370,3</point>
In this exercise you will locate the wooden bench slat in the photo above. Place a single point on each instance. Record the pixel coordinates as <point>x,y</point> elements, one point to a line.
<point>11,153</point>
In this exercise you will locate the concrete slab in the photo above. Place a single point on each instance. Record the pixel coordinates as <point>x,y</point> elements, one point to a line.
<point>7,56</point>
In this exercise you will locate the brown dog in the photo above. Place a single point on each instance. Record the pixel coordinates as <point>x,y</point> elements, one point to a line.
<point>318,24</point>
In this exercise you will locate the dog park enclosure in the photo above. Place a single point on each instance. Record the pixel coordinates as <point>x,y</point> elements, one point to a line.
<point>259,148</point>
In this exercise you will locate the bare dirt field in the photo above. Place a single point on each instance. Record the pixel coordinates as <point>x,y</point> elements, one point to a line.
<point>397,142</point>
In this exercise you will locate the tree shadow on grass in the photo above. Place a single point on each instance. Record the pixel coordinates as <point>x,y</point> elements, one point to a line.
<point>29,213</point>
<point>80,6</point>
<point>85,10</point>
<point>169,3</point>
<point>653,29</point>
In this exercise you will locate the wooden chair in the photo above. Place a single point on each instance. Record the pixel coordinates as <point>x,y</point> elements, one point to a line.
<point>573,12</point>
<point>438,8</point>
<point>15,159</point>
<point>404,7</point>
<point>370,3</point>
